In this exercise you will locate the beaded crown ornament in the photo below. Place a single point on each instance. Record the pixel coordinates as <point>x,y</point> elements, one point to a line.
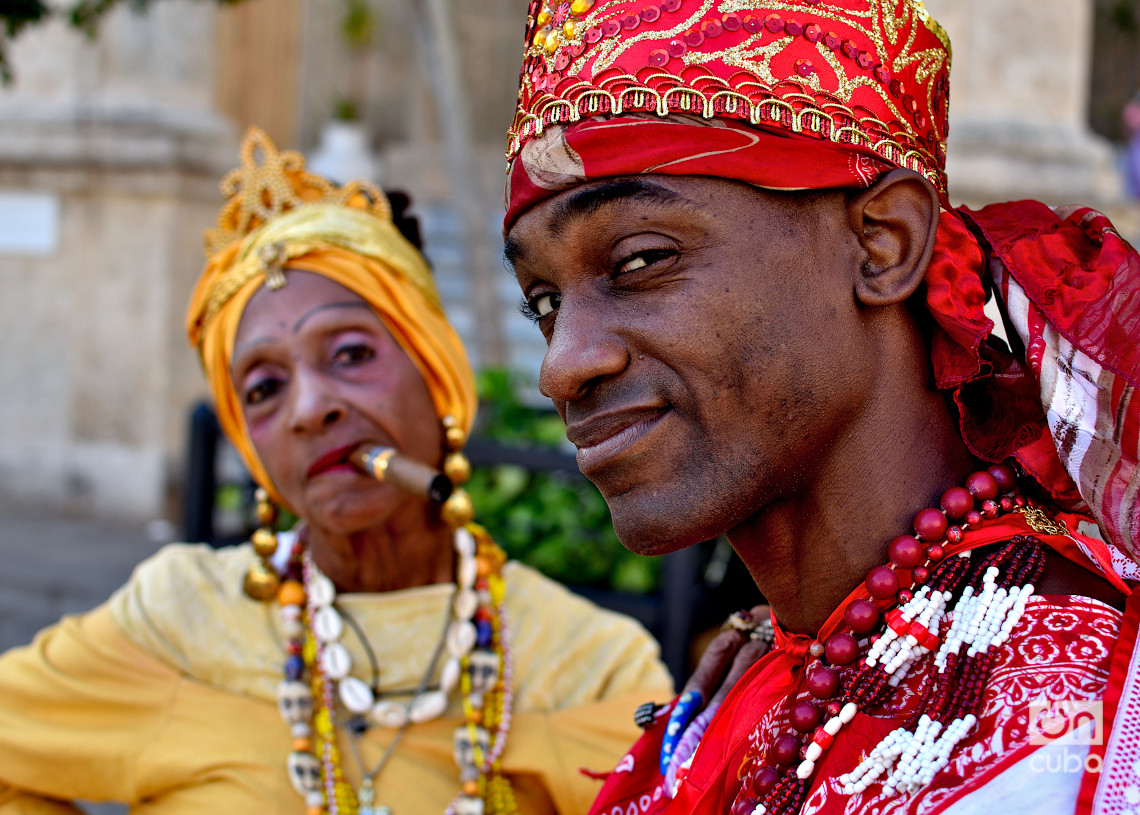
<point>871,73</point>
<point>258,191</point>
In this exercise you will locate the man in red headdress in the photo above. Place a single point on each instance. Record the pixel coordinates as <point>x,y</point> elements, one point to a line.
<point>730,221</point>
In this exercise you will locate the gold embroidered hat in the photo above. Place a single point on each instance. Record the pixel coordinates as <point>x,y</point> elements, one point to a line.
<point>868,76</point>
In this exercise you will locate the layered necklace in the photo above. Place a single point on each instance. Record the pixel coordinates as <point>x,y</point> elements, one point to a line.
<point>318,684</point>
<point>929,599</point>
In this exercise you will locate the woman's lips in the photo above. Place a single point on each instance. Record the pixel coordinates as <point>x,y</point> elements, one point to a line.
<point>332,460</point>
<point>601,440</point>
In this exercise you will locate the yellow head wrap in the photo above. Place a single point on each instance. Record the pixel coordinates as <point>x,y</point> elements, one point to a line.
<point>278,217</point>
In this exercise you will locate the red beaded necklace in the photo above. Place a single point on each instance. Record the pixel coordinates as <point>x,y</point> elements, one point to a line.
<point>906,619</point>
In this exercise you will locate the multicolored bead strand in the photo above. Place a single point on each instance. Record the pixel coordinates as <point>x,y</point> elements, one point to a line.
<point>487,710</point>
<point>339,798</point>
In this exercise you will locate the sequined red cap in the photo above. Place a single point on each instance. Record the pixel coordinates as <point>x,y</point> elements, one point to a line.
<point>872,73</point>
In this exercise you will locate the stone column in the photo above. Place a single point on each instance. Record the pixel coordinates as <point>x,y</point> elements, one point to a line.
<point>1018,105</point>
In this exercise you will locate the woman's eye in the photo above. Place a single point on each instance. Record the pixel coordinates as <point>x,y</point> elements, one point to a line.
<point>262,390</point>
<point>353,354</point>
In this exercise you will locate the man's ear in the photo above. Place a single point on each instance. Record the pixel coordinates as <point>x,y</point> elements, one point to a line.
<point>896,222</point>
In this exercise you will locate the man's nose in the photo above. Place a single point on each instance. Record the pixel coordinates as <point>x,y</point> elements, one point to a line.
<point>315,403</point>
<point>582,352</point>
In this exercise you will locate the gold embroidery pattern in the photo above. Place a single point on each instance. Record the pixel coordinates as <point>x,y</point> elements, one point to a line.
<point>798,111</point>
<point>1040,522</point>
<point>871,73</point>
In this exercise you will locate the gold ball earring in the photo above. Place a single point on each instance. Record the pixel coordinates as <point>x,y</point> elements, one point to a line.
<point>261,580</point>
<point>458,509</point>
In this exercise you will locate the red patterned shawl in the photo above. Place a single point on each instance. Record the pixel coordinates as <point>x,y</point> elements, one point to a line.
<point>1063,650</point>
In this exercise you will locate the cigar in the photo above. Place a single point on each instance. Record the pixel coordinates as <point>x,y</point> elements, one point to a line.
<point>392,467</point>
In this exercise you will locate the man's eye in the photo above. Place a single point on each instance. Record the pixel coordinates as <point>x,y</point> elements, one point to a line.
<point>643,259</point>
<point>547,304</point>
<point>540,305</point>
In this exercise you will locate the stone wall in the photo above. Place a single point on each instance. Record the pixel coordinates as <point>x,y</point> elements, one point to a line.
<point>117,140</point>
<point>1019,103</point>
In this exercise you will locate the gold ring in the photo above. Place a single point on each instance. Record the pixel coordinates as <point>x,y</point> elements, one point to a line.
<point>380,463</point>
<point>739,621</point>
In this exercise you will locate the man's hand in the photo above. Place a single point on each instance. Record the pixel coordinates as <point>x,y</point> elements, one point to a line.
<point>745,638</point>
<point>730,654</point>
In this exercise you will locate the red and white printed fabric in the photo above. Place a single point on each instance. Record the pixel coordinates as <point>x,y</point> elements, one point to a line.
<point>1060,653</point>
<point>1112,779</point>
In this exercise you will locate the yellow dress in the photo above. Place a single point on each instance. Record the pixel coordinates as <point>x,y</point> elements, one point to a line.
<point>165,696</point>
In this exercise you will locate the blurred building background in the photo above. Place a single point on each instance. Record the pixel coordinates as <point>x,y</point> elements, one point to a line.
<point>111,149</point>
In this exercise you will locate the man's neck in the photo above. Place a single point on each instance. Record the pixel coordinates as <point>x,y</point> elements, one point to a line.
<point>810,548</point>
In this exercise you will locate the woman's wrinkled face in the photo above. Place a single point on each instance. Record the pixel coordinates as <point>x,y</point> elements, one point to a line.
<point>318,373</point>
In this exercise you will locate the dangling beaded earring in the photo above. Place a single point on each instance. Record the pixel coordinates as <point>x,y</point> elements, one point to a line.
<point>261,581</point>
<point>478,642</point>
<point>458,510</point>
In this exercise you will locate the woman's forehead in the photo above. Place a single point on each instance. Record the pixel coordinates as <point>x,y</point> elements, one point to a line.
<point>286,311</point>
<point>303,292</point>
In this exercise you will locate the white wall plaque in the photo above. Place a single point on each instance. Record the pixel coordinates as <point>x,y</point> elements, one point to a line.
<point>29,223</point>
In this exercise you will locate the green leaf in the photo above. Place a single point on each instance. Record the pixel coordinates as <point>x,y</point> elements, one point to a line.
<point>358,25</point>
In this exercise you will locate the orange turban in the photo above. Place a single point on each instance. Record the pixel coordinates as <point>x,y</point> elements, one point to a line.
<point>280,217</point>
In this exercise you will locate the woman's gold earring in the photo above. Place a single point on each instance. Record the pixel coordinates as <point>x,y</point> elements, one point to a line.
<point>261,580</point>
<point>457,468</point>
<point>458,510</point>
